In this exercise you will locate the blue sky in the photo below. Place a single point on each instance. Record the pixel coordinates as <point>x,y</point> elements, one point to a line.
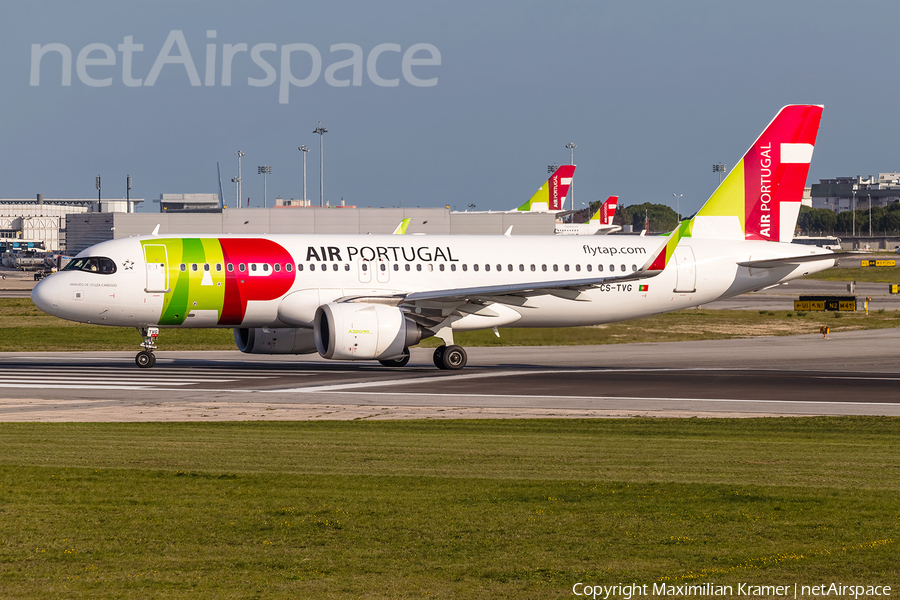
<point>652,92</point>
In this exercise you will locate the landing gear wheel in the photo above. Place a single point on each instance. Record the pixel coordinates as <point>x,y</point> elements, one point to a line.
<point>145,359</point>
<point>453,358</point>
<point>400,361</point>
<point>438,356</point>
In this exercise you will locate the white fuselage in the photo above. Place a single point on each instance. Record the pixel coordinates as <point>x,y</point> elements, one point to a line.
<point>312,270</point>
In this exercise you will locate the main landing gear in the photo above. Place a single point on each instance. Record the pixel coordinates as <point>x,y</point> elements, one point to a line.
<point>450,357</point>
<point>145,358</point>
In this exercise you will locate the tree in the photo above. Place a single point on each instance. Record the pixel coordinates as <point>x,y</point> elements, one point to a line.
<point>662,217</point>
<point>816,221</point>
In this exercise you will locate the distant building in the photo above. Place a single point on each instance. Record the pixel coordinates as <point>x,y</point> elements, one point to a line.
<point>44,219</point>
<point>838,194</point>
<point>171,203</point>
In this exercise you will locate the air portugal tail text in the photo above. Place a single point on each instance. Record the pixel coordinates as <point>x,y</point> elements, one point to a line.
<point>765,188</point>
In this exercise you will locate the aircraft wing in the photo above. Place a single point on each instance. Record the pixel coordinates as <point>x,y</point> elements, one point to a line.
<point>558,287</point>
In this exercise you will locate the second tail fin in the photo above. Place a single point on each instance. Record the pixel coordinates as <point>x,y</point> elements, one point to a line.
<point>551,196</point>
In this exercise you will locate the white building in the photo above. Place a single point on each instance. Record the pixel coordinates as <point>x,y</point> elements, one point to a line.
<point>44,219</point>
<point>840,193</point>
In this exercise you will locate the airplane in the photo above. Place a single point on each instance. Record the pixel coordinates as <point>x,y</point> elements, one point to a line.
<point>599,224</point>
<point>371,297</point>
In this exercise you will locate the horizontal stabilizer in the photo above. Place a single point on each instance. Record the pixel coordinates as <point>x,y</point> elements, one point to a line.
<point>769,263</point>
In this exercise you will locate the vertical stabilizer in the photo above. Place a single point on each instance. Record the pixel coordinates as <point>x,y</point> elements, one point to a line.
<point>551,196</point>
<point>760,198</point>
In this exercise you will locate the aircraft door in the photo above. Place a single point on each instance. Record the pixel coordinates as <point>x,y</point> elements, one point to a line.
<point>383,272</point>
<point>365,270</point>
<point>686,270</point>
<point>156,261</point>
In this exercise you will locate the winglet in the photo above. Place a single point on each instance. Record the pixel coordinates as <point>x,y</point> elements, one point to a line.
<point>508,231</point>
<point>155,230</point>
<point>658,263</point>
<point>401,228</point>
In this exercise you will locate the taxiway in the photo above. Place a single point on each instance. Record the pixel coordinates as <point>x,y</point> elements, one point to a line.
<point>850,373</point>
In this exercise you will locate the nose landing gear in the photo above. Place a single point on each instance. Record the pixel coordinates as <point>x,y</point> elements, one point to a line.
<point>145,358</point>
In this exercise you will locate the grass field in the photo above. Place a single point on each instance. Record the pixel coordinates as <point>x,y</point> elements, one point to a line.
<point>21,320</point>
<point>859,274</point>
<point>449,509</point>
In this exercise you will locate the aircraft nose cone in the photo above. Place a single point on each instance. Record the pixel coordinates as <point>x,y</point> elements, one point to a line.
<point>45,295</point>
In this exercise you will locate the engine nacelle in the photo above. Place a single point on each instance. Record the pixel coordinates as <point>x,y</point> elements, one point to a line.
<point>264,340</point>
<point>356,331</point>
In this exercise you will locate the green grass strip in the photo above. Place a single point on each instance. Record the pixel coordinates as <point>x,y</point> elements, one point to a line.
<point>443,509</point>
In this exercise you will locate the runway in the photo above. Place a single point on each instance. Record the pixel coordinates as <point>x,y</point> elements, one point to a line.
<point>852,373</point>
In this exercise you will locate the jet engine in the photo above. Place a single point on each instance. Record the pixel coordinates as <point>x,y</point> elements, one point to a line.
<point>264,340</point>
<point>357,331</point>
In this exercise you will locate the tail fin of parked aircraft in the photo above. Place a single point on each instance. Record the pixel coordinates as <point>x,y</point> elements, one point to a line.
<point>606,212</point>
<point>760,198</point>
<point>551,196</point>
<point>401,228</point>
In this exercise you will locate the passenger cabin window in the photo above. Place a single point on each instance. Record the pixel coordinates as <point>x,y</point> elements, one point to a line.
<point>92,264</point>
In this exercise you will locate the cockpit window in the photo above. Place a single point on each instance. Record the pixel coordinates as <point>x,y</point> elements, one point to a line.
<point>92,264</point>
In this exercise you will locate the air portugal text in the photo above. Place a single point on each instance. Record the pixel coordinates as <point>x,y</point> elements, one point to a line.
<point>391,253</point>
<point>765,189</point>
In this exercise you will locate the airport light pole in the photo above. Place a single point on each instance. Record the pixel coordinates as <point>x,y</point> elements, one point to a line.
<point>239,154</point>
<point>128,194</point>
<point>571,148</point>
<point>869,196</point>
<point>852,206</point>
<point>719,168</point>
<point>678,205</point>
<point>265,171</point>
<point>304,149</point>
<point>97,183</point>
<point>321,131</point>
